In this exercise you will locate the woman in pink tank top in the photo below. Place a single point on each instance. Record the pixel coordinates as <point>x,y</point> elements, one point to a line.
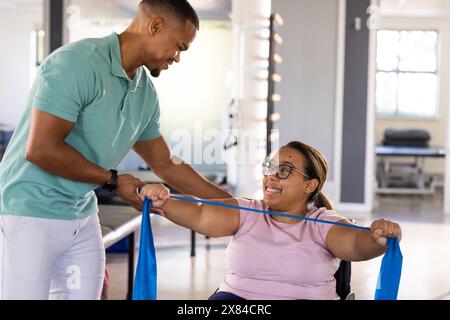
<point>273,257</point>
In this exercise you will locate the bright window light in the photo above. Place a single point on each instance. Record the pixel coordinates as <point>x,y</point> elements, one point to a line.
<point>407,73</point>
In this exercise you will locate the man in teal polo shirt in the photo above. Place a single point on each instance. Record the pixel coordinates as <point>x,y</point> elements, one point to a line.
<point>90,104</point>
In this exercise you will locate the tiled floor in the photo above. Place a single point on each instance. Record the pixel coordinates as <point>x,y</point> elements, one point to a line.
<point>425,247</point>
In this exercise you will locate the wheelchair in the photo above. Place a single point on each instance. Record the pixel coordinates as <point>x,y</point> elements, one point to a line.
<point>343,277</point>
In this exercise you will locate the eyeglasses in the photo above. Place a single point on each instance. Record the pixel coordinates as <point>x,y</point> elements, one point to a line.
<point>282,171</point>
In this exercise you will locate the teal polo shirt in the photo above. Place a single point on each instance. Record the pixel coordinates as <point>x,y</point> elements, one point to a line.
<point>84,83</point>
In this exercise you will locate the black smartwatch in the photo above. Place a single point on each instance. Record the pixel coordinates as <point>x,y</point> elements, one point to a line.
<point>111,184</point>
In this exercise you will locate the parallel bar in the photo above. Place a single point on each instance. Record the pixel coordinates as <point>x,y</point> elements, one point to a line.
<point>192,243</point>
<point>130,266</point>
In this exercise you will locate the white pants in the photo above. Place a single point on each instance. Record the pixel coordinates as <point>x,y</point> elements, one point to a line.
<point>51,259</point>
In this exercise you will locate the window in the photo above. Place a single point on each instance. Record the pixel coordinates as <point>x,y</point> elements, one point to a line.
<point>407,73</point>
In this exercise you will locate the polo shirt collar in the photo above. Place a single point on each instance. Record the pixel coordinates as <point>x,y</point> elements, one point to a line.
<point>116,61</point>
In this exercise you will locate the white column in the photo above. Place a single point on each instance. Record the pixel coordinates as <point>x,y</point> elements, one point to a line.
<point>250,61</point>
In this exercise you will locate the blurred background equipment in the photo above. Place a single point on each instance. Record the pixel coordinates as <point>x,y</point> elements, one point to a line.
<point>406,176</point>
<point>5,135</point>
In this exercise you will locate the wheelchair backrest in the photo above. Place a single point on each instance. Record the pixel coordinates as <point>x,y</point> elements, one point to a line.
<point>343,277</point>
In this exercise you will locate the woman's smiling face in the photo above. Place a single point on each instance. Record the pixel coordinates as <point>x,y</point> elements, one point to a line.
<point>290,194</point>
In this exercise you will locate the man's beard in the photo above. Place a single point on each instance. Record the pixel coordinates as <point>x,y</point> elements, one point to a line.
<point>155,72</point>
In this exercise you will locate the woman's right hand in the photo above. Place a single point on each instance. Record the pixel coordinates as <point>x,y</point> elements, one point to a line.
<point>157,193</point>
<point>382,229</point>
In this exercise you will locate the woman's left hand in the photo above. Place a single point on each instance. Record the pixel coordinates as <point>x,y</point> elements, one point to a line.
<point>382,229</point>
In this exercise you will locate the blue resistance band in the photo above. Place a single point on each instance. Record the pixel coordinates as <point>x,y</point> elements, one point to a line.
<point>390,272</point>
<point>145,280</point>
<point>268,212</point>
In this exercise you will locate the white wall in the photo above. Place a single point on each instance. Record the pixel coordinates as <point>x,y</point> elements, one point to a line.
<point>16,63</point>
<point>193,95</point>
<point>438,126</point>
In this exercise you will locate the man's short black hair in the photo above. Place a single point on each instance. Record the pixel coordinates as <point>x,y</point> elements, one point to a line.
<point>181,9</point>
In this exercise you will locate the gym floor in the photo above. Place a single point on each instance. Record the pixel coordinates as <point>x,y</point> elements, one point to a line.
<point>426,265</point>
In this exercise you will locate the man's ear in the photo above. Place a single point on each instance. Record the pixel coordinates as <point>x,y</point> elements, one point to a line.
<point>311,186</point>
<point>155,25</point>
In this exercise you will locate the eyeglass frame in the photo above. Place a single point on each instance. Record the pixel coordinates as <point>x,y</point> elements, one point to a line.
<point>291,168</point>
